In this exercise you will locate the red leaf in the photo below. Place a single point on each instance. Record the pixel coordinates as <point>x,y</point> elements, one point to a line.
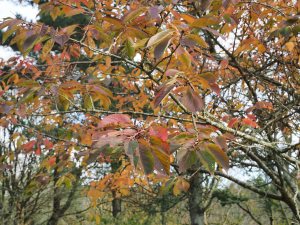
<point>37,47</point>
<point>160,132</point>
<point>251,116</point>
<point>28,147</point>
<point>115,119</point>
<point>48,144</point>
<point>249,122</point>
<point>215,88</point>
<point>38,150</point>
<point>232,122</point>
<point>52,160</point>
<point>264,105</point>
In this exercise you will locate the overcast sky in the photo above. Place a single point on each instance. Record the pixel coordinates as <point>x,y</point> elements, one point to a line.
<point>9,8</point>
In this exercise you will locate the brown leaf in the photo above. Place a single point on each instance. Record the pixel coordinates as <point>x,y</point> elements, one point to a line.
<point>163,92</point>
<point>160,37</point>
<point>192,101</point>
<point>161,47</point>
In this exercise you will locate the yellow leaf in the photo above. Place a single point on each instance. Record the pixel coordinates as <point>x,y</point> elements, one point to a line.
<point>290,46</point>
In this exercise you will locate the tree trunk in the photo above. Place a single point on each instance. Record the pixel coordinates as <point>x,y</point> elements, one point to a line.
<point>196,208</point>
<point>116,202</point>
<point>116,205</point>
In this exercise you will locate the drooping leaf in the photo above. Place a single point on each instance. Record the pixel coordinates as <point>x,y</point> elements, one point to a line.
<point>206,160</point>
<point>219,155</point>
<point>161,48</point>
<point>29,42</point>
<point>205,22</point>
<point>164,91</point>
<point>197,39</point>
<point>162,158</point>
<point>192,101</point>
<point>131,148</point>
<point>88,103</point>
<point>186,159</point>
<point>146,157</point>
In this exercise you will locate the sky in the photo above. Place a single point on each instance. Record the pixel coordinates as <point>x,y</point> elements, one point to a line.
<point>9,8</point>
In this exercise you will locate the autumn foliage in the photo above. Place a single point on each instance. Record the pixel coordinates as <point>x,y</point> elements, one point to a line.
<point>162,89</point>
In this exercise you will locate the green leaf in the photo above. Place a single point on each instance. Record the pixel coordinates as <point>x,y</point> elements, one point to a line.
<point>130,150</point>
<point>219,155</point>
<point>129,49</point>
<point>206,160</point>
<point>186,159</point>
<point>88,103</point>
<point>146,157</point>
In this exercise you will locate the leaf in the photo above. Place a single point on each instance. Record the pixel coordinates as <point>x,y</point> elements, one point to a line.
<point>8,33</point>
<point>199,40</point>
<point>163,158</point>
<point>160,37</point>
<point>61,39</point>
<point>249,122</point>
<point>221,141</point>
<point>146,157</point>
<point>47,48</point>
<point>181,185</point>
<point>161,48</point>
<point>134,14</point>
<point>164,91</point>
<point>219,155</point>
<point>186,159</point>
<point>62,103</point>
<point>232,122</point>
<point>129,49</point>
<point>115,119</point>
<point>48,144</point>
<point>172,72</point>
<point>115,21</point>
<point>29,146</point>
<point>9,23</point>
<point>192,101</point>
<point>131,148</point>
<point>206,160</point>
<point>29,42</point>
<point>37,47</point>
<point>88,103</point>
<point>205,22</point>
<point>159,132</point>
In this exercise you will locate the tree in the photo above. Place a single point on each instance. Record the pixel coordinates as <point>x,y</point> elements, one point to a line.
<point>180,89</point>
